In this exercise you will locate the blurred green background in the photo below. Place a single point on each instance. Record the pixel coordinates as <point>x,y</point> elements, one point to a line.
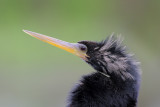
<point>36,74</point>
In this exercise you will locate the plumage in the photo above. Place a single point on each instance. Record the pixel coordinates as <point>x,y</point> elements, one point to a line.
<point>119,89</point>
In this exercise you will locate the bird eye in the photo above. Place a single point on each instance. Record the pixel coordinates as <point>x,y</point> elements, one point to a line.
<point>83,48</point>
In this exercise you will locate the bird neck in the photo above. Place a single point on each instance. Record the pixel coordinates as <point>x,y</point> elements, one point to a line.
<point>97,90</point>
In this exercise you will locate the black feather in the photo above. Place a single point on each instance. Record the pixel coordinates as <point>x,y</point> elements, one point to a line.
<point>119,89</point>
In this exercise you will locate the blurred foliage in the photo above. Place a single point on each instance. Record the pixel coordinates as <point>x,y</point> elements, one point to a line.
<point>36,74</point>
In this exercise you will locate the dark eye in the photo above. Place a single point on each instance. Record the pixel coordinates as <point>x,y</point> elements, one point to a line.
<point>83,48</point>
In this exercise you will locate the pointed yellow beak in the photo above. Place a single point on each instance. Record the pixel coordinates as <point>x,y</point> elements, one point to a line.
<point>70,47</point>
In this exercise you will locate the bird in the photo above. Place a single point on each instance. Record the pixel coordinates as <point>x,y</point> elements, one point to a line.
<point>117,77</point>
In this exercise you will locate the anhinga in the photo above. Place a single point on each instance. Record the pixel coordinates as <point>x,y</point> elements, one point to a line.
<point>116,82</point>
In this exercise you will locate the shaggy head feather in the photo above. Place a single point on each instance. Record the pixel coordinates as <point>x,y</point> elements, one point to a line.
<point>110,57</point>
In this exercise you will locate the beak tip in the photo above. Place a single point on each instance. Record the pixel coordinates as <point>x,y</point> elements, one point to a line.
<point>26,31</point>
<point>29,32</point>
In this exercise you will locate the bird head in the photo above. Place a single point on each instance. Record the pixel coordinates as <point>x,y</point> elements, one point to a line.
<point>108,57</point>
